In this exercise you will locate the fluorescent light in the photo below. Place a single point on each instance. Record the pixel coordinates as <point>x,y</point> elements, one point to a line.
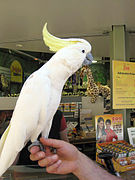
<point>94,61</point>
<point>19,45</point>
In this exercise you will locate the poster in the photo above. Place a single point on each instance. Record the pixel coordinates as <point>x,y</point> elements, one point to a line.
<point>123,85</point>
<point>109,127</point>
<point>131,134</point>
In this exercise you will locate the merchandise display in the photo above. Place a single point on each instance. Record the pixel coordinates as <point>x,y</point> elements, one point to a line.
<point>68,107</point>
<point>93,89</point>
<point>86,123</point>
<point>123,154</point>
<point>4,85</point>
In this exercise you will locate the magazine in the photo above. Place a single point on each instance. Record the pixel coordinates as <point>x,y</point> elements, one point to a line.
<point>109,127</point>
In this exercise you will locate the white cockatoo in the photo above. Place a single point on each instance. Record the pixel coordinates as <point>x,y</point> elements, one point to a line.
<point>41,94</point>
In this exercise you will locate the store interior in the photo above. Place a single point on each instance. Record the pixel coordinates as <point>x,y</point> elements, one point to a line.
<point>88,93</point>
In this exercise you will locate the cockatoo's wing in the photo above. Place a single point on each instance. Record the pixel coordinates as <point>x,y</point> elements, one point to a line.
<point>28,120</point>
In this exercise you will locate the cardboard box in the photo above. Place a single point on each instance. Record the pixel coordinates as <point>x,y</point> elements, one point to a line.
<point>124,155</point>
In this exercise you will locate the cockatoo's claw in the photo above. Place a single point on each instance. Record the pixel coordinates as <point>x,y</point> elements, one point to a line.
<point>37,143</point>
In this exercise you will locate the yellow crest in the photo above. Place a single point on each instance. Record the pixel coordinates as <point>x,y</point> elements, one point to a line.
<point>55,43</point>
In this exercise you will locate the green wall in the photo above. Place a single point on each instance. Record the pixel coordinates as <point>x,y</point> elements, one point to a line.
<point>28,64</point>
<point>101,72</point>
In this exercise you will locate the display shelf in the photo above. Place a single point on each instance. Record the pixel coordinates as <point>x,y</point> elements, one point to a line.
<point>71,99</point>
<point>7,103</point>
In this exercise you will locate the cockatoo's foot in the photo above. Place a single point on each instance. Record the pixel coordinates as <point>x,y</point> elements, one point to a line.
<point>37,143</point>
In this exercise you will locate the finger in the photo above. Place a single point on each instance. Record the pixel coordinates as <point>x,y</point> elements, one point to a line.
<point>37,156</point>
<point>52,142</point>
<point>48,160</point>
<point>34,149</point>
<point>54,167</point>
<point>48,151</point>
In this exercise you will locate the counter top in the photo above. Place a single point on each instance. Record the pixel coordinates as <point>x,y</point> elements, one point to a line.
<point>32,173</point>
<point>36,173</point>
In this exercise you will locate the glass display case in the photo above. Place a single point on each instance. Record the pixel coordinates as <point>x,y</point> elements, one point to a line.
<point>33,173</point>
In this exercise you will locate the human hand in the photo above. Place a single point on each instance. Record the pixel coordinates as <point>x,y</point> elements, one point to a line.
<point>64,161</point>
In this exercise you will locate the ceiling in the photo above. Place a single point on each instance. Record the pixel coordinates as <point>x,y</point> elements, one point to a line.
<point>21,22</point>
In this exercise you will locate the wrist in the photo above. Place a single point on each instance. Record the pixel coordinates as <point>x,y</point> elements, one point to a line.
<point>79,170</point>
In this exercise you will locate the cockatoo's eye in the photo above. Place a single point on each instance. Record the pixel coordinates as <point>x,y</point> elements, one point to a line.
<point>83,51</point>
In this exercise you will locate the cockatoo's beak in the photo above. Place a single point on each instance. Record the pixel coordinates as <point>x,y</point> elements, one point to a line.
<point>88,60</point>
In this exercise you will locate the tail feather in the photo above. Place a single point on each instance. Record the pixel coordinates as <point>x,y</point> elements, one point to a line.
<point>10,145</point>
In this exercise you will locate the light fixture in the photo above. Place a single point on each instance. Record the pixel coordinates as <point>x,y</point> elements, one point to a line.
<point>94,61</point>
<point>19,45</point>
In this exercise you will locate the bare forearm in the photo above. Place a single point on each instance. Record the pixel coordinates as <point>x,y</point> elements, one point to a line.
<point>88,170</point>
